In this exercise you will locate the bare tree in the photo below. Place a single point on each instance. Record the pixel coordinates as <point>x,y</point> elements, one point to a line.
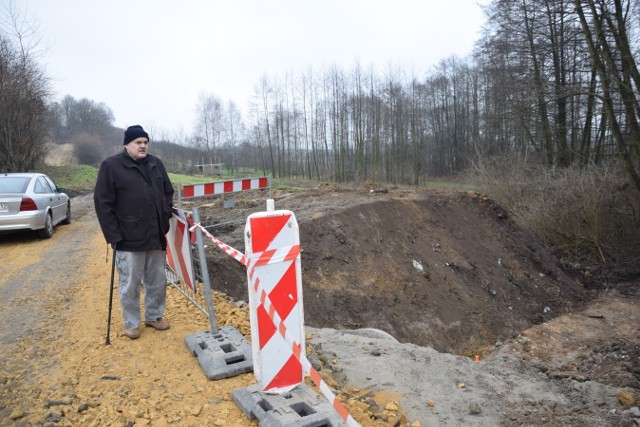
<point>358,118</point>
<point>81,116</point>
<point>24,93</point>
<point>266,91</point>
<point>606,36</point>
<point>209,125</point>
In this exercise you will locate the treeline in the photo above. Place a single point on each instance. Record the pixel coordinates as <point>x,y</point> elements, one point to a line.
<point>555,81</point>
<point>88,126</point>
<point>23,109</point>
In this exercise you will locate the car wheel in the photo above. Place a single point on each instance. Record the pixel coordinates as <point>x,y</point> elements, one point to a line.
<point>47,231</point>
<point>67,218</point>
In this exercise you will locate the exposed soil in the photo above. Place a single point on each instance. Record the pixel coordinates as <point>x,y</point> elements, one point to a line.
<point>441,270</point>
<point>444,269</point>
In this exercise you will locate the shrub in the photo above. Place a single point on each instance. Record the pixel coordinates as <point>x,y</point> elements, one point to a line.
<point>584,211</point>
<point>88,149</point>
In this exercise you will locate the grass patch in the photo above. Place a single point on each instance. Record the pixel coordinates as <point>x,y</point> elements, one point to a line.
<point>82,178</point>
<point>180,179</point>
<point>75,178</point>
<point>448,184</point>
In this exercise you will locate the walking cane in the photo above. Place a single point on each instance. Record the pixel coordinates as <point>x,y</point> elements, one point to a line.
<point>113,267</point>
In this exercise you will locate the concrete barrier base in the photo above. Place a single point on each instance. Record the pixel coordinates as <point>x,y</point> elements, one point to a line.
<point>221,355</point>
<point>300,407</point>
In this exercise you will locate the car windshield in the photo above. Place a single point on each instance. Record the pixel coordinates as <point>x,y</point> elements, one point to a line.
<point>13,184</point>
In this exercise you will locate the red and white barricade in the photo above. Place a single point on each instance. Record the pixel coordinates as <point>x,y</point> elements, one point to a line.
<point>224,187</point>
<point>272,260</point>
<point>178,248</point>
<point>272,251</point>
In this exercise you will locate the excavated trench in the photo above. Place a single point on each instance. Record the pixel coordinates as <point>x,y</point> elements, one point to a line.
<point>447,270</point>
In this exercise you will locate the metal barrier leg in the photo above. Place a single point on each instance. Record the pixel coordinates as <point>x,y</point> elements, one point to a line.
<point>204,272</point>
<point>223,352</point>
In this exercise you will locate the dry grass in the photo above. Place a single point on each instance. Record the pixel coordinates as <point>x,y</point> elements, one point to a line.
<point>583,211</point>
<point>60,155</point>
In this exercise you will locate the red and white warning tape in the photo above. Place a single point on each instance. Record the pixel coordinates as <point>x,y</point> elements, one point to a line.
<point>274,256</point>
<point>233,253</point>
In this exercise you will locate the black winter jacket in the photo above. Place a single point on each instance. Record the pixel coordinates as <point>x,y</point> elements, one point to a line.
<point>133,201</point>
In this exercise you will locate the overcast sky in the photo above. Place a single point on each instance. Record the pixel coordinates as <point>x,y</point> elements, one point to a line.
<point>148,60</point>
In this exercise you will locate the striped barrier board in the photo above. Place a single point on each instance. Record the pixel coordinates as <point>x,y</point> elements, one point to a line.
<point>223,187</point>
<point>178,248</point>
<point>271,332</point>
<point>271,235</point>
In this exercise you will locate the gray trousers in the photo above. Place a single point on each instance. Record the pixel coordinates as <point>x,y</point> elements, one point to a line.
<point>134,269</point>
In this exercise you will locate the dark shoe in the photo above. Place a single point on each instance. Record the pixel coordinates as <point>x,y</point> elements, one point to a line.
<point>133,333</point>
<point>158,325</point>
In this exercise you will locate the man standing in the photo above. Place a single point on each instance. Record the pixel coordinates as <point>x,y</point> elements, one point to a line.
<point>133,199</point>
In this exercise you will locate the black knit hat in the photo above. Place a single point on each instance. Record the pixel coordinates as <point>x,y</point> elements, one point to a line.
<point>134,132</point>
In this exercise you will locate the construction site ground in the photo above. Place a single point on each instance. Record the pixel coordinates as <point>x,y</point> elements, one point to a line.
<point>422,308</point>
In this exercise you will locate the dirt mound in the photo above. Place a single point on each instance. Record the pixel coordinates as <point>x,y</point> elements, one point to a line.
<point>443,269</point>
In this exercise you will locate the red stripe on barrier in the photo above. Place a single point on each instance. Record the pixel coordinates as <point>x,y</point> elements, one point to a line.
<point>266,327</point>
<point>170,260</point>
<point>295,347</point>
<point>209,189</point>
<point>315,376</point>
<point>341,409</point>
<point>293,253</point>
<point>263,183</point>
<point>228,187</point>
<point>272,310</point>
<point>192,234</point>
<point>265,230</point>
<point>246,184</point>
<point>284,297</point>
<point>265,257</point>
<point>283,377</point>
<point>180,232</point>
<point>187,191</point>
